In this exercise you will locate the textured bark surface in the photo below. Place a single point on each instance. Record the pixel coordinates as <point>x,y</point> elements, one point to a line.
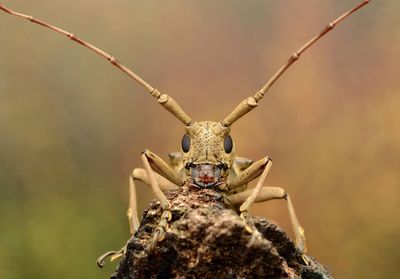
<point>206,239</point>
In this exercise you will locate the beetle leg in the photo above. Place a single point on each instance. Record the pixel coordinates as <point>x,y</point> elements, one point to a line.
<point>153,162</point>
<point>101,261</point>
<point>141,175</point>
<point>161,167</point>
<point>249,174</point>
<point>159,233</point>
<point>269,193</point>
<point>259,194</point>
<point>154,183</point>
<point>253,193</point>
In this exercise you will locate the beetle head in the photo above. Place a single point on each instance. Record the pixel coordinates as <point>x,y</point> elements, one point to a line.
<point>208,152</point>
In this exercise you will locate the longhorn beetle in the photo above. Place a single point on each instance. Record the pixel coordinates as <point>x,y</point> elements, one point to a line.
<point>207,158</point>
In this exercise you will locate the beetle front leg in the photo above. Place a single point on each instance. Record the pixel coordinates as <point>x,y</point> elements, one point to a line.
<point>138,174</point>
<point>249,174</point>
<point>270,193</point>
<point>253,193</point>
<point>165,170</point>
<point>161,167</point>
<point>266,193</point>
<point>261,167</point>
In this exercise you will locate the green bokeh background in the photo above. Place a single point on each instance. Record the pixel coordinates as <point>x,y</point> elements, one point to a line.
<point>72,127</point>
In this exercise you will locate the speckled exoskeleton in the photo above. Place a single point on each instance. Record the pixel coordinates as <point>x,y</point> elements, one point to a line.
<point>207,158</point>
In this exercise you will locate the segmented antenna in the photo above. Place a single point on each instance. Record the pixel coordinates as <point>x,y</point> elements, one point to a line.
<point>163,99</point>
<point>250,103</point>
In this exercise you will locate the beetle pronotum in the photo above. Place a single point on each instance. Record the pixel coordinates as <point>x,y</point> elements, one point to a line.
<point>207,158</point>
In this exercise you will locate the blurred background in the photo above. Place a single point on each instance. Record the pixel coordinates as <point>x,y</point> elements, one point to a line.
<point>72,127</point>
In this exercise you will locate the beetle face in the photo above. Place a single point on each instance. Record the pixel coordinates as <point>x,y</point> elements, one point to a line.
<point>208,152</point>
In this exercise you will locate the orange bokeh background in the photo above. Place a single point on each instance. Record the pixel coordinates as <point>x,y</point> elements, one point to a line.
<point>72,127</point>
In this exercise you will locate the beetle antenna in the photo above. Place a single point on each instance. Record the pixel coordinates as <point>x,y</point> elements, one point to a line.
<point>250,103</point>
<point>163,99</point>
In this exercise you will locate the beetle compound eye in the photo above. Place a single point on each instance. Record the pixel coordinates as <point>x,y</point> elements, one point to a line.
<point>228,144</point>
<point>186,143</point>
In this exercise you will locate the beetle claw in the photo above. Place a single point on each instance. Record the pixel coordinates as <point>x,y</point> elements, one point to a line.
<point>159,232</point>
<point>101,261</point>
<point>306,259</point>
<point>246,219</point>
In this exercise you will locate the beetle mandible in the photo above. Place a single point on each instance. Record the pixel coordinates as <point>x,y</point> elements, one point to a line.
<point>207,158</point>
